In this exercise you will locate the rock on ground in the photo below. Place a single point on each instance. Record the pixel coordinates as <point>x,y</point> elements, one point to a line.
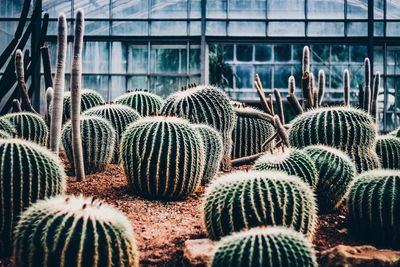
<point>197,252</point>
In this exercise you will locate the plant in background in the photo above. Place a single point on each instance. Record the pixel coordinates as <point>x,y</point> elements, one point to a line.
<point>89,99</point>
<point>145,103</point>
<point>220,72</point>
<point>388,150</point>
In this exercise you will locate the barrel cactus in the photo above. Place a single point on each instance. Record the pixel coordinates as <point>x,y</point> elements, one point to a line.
<point>89,99</point>
<point>6,126</point>
<point>120,116</point>
<point>4,134</point>
<point>204,104</point>
<point>335,172</point>
<point>373,202</point>
<point>249,133</point>
<point>388,150</point>
<point>395,133</point>
<point>98,142</point>
<point>28,172</point>
<point>241,200</point>
<point>293,161</point>
<point>163,157</point>
<point>264,247</point>
<point>29,126</point>
<point>145,103</point>
<point>74,231</point>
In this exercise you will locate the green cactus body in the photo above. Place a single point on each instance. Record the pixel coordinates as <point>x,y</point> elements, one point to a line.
<point>373,202</point>
<point>6,126</point>
<point>388,150</point>
<point>143,102</point>
<point>204,104</point>
<point>249,134</point>
<point>293,162</point>
<point>120,116</point>
<point>213,149</point>
<point>28,173</point>
<point>98,142</point>
<point>74,231</point>
<point>4,134</point>
<point>89,99</point>
<point>264,247</point>
<point>242,200</point>
<point>29,126</point>
<point>163,157</point>
<point>392,133</point>
<point>336,171</point>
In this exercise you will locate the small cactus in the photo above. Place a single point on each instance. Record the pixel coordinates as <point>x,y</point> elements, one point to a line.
<point>28,173</point>
<point>89,99</point>
<point>373,202</point>
<point>74,231</point>
<point>336,171</point>
<point>293,162</point>
<point>163,157</point>
<point>242,200</point>
<point>6,126</point>
<point>98,142</point>
<point>264,247</point>
<point>120,116</point>
<point>145,103</point>
<point>388,150</point>
<point>29,126</point>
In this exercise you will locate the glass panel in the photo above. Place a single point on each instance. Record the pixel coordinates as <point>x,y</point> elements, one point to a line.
<point>118,86</point>
<point>325,29</point>
<point>130,28</point>
<point>164,86</point>
<point>119,58</point>
<point>378,28</point>
<point>137,82</point>
<point>168,9</point>
<point>95,57</point>
<point>282,53</point>
<point>52,28</point>
<point>356,76</point>
<point>216,9</point>
<point>244,52</point>
<point>357,29</point>
<point>129,9</point>
<point>137,59</point>
<point>340,53</point>
<point>286,29</point>
<point>392,119</point>
<point>194,60</point>
<point>378,58</point>
<point>195,9</point>
<point>297,52</point>
<point>319,53</point>
<point>245,76</point>
<point>393,60</point>
<point>247,9</point>
<point>216,28</point>
<point>357,9</point>
<point>7,30</point>
<point>392,29</point>
<point>281,76</point>
<point>281,9</point>
<point>378,9</point>
<point>52,49</point>
<point>242,28</point>
<point>194,79</point>
<point>97,28</point>
<point>11,8</point>
<point>325,9</point>
<point>168,28</point>
<point>358,53</point>
<point>98,83</point>
<point>94,9</point>
<point>265,73</point>
<point>337,76</point>
<point>393,9</point>
<point>263,53</point>
<point>55,7</point>
<point>228,50</point>
<point>195,28</point>
<point>168,59</point>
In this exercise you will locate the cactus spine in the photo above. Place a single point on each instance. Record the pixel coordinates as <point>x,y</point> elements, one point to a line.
<point>321,86</point>
<point>346,87</point>
<point>4,134</point>
<point>28,173</point>
<point>264,247</point>
<point>143,102</point>
<point>241,200</point>
<point>6,126</point>
<point>388,150</point>
<point>74,231</point>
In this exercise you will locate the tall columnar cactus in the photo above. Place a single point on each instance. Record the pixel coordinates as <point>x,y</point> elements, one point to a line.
<point>388,150</point>
<point>249,133</point>
<point>74,231</point>
<point>373,202</point>
<point>367,86</point>
<point>293,162</point>
<point>120,116</point>
<point>28,173</point>
<point>264,247</point>
<point>89,99</point>
<point>336,171</point>
<point>204,104</point>
<point>321,86</point>
<point>143,102</point>
<point>242,200</point>
<point>98,143</point>
<point>29,126</point>
<point>6,126</point>
<point>346,87</point>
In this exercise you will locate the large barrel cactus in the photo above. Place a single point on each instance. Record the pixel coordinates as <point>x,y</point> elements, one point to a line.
<point>74,231</point>
<point>293,162</point>
<point>145,103</point>
<point>28,173</point>
<point>204,104</point>
<point>98,142</point>
<point>249,133</point>
<point>163,157</point>
<point>388,150</point>
<point>373,202</point>
<point>242,200</point>
<point>213,148</point>
<point>264,247</point>
<point>89,99</point>
<point>29,126</point>
<point>6,126</point>
<point>120,116</point>
<point>335,172</point>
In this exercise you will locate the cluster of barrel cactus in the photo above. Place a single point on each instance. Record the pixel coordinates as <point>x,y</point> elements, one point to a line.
<point>145,103</point>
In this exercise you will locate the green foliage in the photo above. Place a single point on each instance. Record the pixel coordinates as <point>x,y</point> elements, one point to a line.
<point>220,73</point>
<point>98,142</point>
<point>74,231</point>
<point>264,247</point>
<point>388,150</point>
<point>143,102</point>
<point>89,99</point>
<point>241,200</point>
<point>163,157</point>
<point>6,126</point>
<point>28,173</point>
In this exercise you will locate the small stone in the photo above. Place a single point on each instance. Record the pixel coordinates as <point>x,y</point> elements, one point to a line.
<point>197,252</point>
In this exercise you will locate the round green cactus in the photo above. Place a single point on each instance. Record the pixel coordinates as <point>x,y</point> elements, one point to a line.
<point>143,102</point>
<point>29,126</point>
<point>4,134</point>
<point>7,127</point>
<point>264,247</point>
<point>242,200</point>
<point>89,99</point>
<point>336,171</point>
<point>120,116</point>
<point>373,202</point>
<point>74,231</point>
<point>293,162</point>
<point>163,157</point>
<point>364,158</point>
<point>204,104</point>
<point>249,134</point>
<point>213,147</point>
<point>98,143</point>
<point>28,172</point>
<point>388,150</point>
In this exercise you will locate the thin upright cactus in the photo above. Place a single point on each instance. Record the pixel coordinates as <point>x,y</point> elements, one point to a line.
<point>321,86</point>
<point>306,60</point>
<point>291,97</point>
<point>346,87</point>
<point>145,103</point>
<point>49,103</point>
<point>374,98</point>
<point>367,86</point>
<point>388,150</point>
